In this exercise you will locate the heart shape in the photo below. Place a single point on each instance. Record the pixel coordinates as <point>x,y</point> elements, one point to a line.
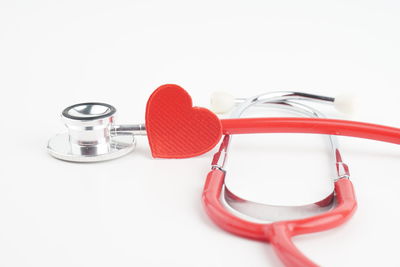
<point>176,129</point>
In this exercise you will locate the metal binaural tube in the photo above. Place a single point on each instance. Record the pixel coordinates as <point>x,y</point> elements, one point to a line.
<point>279,96</point>
<point>283,100</point>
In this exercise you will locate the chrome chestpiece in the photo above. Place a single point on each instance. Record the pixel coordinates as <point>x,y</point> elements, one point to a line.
<point>92,135</point>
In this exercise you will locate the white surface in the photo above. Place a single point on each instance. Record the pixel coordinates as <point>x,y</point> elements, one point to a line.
<point>137,211</point>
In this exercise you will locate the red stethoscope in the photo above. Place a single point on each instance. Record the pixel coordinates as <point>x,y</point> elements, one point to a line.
<point>176,129</point>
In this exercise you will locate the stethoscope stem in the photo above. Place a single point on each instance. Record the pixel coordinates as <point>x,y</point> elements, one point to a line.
<point>128,129</point>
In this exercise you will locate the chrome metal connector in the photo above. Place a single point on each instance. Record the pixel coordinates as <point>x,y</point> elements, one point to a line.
<point>219,158</point>
<point>342,171</point>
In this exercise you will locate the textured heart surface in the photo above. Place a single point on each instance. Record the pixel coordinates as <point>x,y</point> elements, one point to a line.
<point>175,128</point>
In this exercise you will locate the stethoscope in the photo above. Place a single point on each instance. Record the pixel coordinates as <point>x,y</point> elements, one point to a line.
<point>93,136</point>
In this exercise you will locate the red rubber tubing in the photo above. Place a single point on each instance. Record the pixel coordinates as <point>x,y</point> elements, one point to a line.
<point>279,234</point>
<point>312,125</point>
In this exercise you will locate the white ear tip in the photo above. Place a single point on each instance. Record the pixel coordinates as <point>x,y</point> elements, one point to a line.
<point>345,103</point>
<point>222,102</point>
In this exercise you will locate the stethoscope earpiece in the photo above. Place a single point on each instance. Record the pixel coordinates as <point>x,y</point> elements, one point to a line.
<point>345,103</point>
<point>221,102</point>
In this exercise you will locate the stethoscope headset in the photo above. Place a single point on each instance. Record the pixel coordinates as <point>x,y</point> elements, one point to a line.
<point>176,129</point>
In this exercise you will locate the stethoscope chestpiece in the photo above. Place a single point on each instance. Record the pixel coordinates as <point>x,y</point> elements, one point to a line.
<point>92,135</point>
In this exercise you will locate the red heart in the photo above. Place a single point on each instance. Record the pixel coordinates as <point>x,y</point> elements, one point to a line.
<point>175,128</point>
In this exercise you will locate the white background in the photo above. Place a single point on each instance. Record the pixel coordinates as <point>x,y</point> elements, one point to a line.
<point>137,211</point>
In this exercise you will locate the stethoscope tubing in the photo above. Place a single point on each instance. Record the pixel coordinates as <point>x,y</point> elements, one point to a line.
<point>312,125</point>
<point>279,234</point>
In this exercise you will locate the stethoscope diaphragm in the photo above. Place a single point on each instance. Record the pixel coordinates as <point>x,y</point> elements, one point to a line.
<point>91,136</point>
